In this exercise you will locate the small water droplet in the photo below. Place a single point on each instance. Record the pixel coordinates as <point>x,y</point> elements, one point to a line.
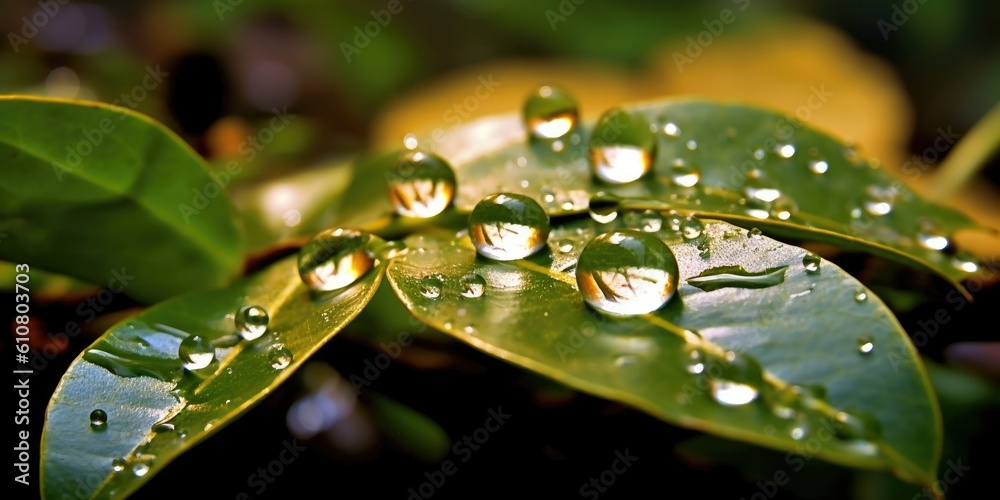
<point>473,285</point>
<point>684,174</point>
<point>879,200</point>
<point>335,258</point>
<point>671,129</point>
<point>410,141</point>
<point>98,420</point>
<point>140,469</point>
<point>603,207</point>
<point>818,167</point>
<point>932,236</point>
<point>508,226</point>
<point>430,286</point>
<point>691,228</point>
<point>865,344</point>
<point>801,428</point>
<point>118,464</point>
<point>811,262</point>
<point>550,112</point>
<point>756,189</point>
<point>393,249</point>
<point>279,356</point>
<point>691,144</point>
<point>251,322</point>
<point>964,261</point>
<point>648,221</point>
<point>423,185</point>
<point>626,273</point>
<point>621,146</point>
<point>735,379</point>
<point>196,352</point>
<point>759,154</point>
<point>469,329</point>
<point>694,361</point>
<point>163,427</point>
<point>785,150</point>
<point>860,295</point>
<point>754,232</point>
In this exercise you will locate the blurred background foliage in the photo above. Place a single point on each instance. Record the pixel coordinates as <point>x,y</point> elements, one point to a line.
<point>893,75</point>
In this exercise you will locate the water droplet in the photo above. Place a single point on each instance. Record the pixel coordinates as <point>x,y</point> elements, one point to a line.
<point>801,429</point>
<point>508,226</point>
<point>196,352</point>
<point>473,285</point>
<point>393,249</point>
<point>621,146</point>
<point>865,344</point>
<point>691,144</point>
<point>860,295</point>
<point>811,262</point>
<point>627,272</point>
<point>279,356</point>
<point>818,167</point>
<point>671,129</point>
<point>251,322</point>
<point>964,261</point>
<point>335,258</point>
<point>735,379</point>
<point>430,286</point>
<point>649,221</point>
<point>737,277</point>
<point>140,469</point>
<point>784,209</point>
<point>684,174</point>
<point>759,154</point>
<point>694,361</point>
<point>879,200</point>
<point>931,236</point>
<point>161,428</point>
<point>785,150</point>
<point>423,185</point>
<point>603,208</point>
<point>98,420</point>
<point>410,141</point>
<point>756,189</point>
<point>856,426</point>
<point>550,112</point>
<point>691,228</point>
<point>754,232</point>
<point>118,464</point>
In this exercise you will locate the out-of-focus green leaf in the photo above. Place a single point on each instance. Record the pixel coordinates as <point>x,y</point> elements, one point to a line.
<point>106,195</point>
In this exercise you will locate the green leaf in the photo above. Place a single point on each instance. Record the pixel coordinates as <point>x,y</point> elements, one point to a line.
<point>93,191</point>
<point>804,331</point>
<point>726,145</point>
<point>156,409</point>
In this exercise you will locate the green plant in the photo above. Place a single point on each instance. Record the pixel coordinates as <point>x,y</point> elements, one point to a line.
<point>746,332</point>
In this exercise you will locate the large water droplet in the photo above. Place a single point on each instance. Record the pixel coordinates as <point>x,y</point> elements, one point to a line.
<point>684,174</point>
<point>878,201</point>
<point>251,322</point>
<point>98,420</point>
<point>422,186</point>
<point>550,112</point>
<point>279,356</point>
<point>811,262</point>
<point>965,261</point>
<point>507,226</point>
<point>731,393</point>
<point>932,236</point>
<point>737,277</point>
<point>473,286</point>
<point>140,469</point>
<point>865,344</point>
<point>627,272</point>
<point>603,208</point>
<point>335,258</point>
<point>691,228</point>
<point>622,146</point>
<point>430,286</point>
<point>196,352</point>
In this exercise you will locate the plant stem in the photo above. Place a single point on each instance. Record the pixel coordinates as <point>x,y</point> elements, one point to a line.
<point>969,155</point>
